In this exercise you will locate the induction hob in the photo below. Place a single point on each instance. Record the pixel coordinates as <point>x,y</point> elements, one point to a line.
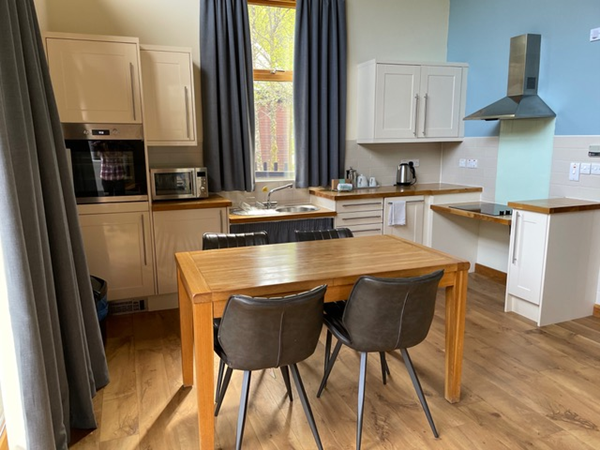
<point>490,209</point>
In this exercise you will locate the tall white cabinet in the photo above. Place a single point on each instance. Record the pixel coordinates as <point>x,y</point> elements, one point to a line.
<point>169,112</point>
<point>117,239</point>
<point>402,102</point>
<point>553,264</point>
<point>96,79</point>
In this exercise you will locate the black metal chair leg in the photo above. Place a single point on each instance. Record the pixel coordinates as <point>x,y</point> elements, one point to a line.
<point>384,369</point>
<point>419,389</point>
<point>327,350</point>
<point>223,389</point>
<point>243,408</point>
<point>334,355</point>
<point>362,381</point>
<point>285,373</point>
<point>306,405</point>
<point>219,378</point>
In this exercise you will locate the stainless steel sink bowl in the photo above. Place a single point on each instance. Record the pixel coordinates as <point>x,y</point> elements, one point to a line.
<point>296,208</point>
<point>254,212</point>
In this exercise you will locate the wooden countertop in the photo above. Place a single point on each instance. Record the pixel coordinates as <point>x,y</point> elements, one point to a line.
<point>213,201</point>
<point>555,205</point>
<point>394,191</point>
<point>321,212</point>
<point>446,209</point>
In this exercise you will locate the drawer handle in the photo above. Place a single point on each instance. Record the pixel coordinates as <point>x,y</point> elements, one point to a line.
<point>410,201</point>
<point>360,218</point>
<point>367,230</point>
<point>361,204</point>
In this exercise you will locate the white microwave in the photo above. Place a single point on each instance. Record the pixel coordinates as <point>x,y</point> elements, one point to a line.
<point>182,183</point>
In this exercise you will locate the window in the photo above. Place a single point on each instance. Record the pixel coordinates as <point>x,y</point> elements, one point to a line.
<point>272,33</point>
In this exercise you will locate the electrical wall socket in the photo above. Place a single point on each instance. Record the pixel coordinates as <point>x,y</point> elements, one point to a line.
<point>406,161</point>
<point>462,162</point>
<point>595,168</point>
<point>471,164</point>
<point>585,168</point>
<point>574,171</point>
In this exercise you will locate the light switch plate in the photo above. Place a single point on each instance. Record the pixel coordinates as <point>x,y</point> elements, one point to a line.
<point>462,162</point>
<point>574,171</point>
<point>595,168</point>
<point>471,164</point>
<point>585,168</point>
<point>595,34</point>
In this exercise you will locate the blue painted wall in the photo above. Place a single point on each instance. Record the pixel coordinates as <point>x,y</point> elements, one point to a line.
<point>479,34</point>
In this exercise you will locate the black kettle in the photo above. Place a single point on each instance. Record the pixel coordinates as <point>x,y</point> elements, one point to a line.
<point>406,175</point>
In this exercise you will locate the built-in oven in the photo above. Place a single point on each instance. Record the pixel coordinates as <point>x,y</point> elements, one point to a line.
<point>108,162</point>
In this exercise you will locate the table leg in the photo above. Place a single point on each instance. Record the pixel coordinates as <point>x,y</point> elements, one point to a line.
<point>456,303</point>
<point>204,364</point>
<point>187,334</point>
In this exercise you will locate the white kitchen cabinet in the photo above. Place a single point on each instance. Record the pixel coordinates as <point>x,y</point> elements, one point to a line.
<point>181,231</point>
<point>400,102</point>
<point>364,217</point>
<point>413,229</point>
<point>118,248</point>
<point>552,268</point>
<point>96,79</point>
<point>169,112</point>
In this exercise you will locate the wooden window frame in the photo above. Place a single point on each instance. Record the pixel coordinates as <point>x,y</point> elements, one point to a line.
<point>280,3</point>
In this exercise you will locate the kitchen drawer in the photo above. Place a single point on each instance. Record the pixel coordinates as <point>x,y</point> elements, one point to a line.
<point>359,218</point>
<point>370,229</point>
<point>351,206</point>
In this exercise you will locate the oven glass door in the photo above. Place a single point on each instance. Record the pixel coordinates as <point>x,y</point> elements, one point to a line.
<point>108,170</point>
<point>173,183</point>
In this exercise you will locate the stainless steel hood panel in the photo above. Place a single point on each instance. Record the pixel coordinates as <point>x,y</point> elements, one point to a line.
<point>522,101</point>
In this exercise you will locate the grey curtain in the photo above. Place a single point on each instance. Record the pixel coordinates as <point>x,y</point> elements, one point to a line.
<point>320,91</point>
<point>227,94</point>
<point>58,355</point>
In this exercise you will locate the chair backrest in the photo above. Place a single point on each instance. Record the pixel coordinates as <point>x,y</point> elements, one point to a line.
<point>211,241</point>
<point>384,314</point>
<point>320,235</point>
<point>259,333</point>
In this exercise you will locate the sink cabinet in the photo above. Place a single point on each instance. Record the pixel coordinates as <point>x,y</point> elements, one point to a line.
<point>400,102</point>
<point>96,79</point>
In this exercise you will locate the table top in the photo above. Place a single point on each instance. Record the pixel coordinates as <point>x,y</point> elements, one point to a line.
<point>213,275</point>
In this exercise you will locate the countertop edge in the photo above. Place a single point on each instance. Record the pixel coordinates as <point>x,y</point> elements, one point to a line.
<point>322,212</point>
<point>446,209</point>
<point>555,206</point>
<point>213,201</point>
<point>400,192</point>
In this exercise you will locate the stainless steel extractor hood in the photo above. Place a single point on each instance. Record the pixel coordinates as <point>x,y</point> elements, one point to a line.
<point>521,101</point>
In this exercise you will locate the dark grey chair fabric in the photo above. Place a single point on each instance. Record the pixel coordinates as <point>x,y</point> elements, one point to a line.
<point>211,241</point>
<point>321,235</point>
<point>382,315</point>
<point>260,333</point>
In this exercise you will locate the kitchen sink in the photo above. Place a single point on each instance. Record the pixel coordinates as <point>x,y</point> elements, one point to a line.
<point>296,208</point>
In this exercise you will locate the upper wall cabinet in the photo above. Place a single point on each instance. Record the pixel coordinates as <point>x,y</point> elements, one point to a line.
<point>96,79</point>
<point>169,113</point>
<point>400,102</point>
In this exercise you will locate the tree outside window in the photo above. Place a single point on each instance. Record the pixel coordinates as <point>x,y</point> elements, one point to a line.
<point>272,34</point>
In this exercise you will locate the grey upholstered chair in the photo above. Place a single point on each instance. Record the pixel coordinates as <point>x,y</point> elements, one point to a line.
<point>320,235</point>
<point>261,333</point>
<point>336,233</point>
<point>381,315</point>
<point>211,241</point>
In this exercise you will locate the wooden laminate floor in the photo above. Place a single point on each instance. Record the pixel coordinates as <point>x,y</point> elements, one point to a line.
<point>523,388</point>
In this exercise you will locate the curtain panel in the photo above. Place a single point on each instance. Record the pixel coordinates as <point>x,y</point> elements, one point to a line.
<point>52,354</point>
<point>227,94</point>
<point>320,91</point>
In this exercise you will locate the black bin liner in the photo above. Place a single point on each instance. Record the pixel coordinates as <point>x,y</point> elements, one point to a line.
<point>100,289</point>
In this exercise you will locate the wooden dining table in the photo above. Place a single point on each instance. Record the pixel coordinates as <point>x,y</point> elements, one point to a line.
<point>206,279</point>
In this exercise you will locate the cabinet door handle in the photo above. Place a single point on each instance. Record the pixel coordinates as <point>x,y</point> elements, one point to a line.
<point>187,112</point>
<point>416,113</point>
<point>359,218</point>
<point>144,240</point>
<point>354,205</point>
<point>515,240</point>
<point>132,90</point>
<point>409,201</point>
<point>425,97</point>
